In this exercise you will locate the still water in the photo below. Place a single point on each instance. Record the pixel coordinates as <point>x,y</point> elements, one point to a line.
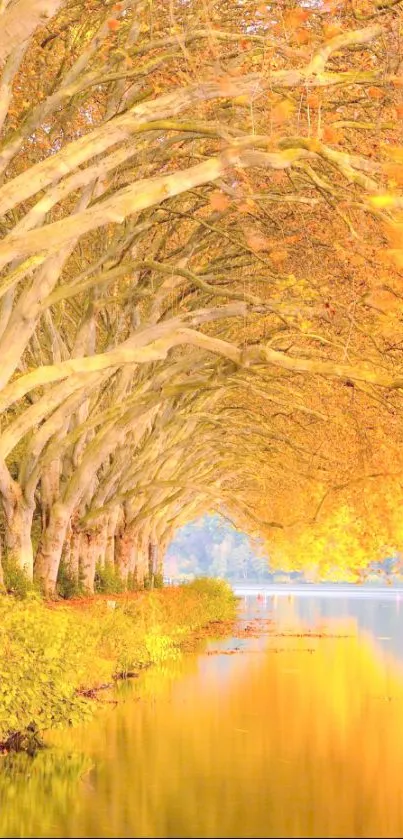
<point>293,728</point>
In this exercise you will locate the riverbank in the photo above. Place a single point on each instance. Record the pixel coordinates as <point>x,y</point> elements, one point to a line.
<point>54,660</point>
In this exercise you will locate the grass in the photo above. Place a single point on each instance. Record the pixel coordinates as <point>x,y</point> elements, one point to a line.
<point>51,655</point>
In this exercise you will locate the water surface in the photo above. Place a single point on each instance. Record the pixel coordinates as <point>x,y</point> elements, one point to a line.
<point>299,733</point>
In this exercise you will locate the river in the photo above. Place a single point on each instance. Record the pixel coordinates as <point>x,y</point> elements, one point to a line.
<point>291,728</point>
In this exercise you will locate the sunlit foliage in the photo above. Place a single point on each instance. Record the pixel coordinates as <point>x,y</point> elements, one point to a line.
<point>200,278</point>
<point>50,657</point>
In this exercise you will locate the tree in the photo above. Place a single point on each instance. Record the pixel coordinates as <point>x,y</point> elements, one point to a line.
<point>200,275</point>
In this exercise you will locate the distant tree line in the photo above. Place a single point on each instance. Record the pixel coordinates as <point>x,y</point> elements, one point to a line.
<point>213,547</point>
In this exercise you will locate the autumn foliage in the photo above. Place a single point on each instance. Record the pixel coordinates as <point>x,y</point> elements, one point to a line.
<point>200,279</point>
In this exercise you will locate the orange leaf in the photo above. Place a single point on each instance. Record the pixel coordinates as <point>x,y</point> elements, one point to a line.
<point>293,18</point>
<point>219,201</point>
<point>281,112</point>
<point>331,135</point>
<point>331,30</point>
<point>394,171</point>
<point>399,111</point>
<point>313,100</point>
<point>302,36</point>
<point>113,24</point>
<point>375,92</point>
<point>258,242</point>
<point>278,256</point>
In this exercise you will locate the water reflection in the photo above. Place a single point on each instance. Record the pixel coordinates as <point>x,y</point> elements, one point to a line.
<point>293,736</point>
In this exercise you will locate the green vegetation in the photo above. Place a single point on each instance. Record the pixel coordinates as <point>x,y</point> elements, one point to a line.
<point>16,581</point>
<point>50,657</point>
<point>107,580</point>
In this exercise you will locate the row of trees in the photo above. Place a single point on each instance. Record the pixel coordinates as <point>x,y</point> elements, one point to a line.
<point>200,284</point>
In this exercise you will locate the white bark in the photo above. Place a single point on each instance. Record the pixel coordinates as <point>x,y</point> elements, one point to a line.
<point>91,547</point>
<point>113,519</point>
<point>50,550</point>
<point>19,23</point>
<point>18,538</point>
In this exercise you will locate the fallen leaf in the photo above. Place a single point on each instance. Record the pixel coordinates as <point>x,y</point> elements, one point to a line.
<point>219,201</point>
<point>281,112</point>
<point>278,256</point>
<point>331,30</point>
<point>258,242</point>
<point>331,135</point>
<point>375,92</point>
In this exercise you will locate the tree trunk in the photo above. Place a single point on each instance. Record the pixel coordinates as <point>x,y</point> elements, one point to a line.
<point>141,564</point>
<point>102,542</point>
<point>18,538</point>
<point>50,550</point>
<point>152,561</point>
<point>17,520</point>
<point>126,553</point>
<point>88,560</point>
<point>113,519</point>
<point>133,549</point>
<point>72,553</point>
<point>50,480</point>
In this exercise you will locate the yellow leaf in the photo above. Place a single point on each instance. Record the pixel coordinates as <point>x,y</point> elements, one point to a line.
<point>382,201</point>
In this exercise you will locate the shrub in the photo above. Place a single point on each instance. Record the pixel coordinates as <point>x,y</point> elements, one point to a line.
<point>132,581</point>
<point>159,580</point>
<point>16,581</point>
<point>107,580</point>
<point>44,655</point>
<point>220,601</point>
<point>68,586</point>
<point>49,655</point>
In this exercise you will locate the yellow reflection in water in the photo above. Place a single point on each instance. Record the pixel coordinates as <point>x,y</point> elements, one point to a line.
<point>296,737</point>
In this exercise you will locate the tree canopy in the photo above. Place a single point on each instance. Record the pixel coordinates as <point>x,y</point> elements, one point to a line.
<point>201,258</point>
